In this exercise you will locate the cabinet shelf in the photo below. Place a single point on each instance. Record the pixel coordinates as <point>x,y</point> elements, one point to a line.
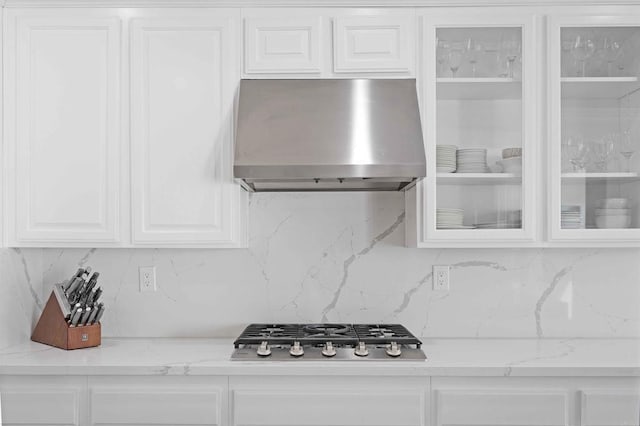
<point>621,177</point>
<point>598,87</point>
<point>478,179</point>
<point>478,88</point>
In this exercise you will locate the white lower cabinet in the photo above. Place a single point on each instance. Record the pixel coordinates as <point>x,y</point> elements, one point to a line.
<point>43,400</point>
<point>158,401</point>
<point>535,401</point>
<point>329,401</point>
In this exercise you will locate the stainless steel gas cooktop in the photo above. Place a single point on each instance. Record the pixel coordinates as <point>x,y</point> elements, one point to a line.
<point>313,342</point>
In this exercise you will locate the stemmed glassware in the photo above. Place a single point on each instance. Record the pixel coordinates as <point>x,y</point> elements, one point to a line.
<point>442,53</point>
<point>583,49</point>
<point>576,150</point>
<point>627,150</point>
<point>474,52</point>
<point>602,151</point>
<point>511,49</point>
<point>456,53</point>
<point>610,52</point>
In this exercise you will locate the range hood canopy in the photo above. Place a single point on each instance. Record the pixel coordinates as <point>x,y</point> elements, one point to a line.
<point>328,135</point>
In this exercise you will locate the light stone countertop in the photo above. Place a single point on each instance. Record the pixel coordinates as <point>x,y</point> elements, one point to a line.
<point>446,357</point>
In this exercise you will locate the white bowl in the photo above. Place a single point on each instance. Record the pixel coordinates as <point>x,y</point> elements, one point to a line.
<point>619,221</point>
<point>511,165</point>
<point>613,212</point>
<point>613,203</point>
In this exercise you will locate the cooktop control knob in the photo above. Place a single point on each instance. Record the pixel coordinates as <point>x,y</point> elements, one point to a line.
<point>393,350</point>
<point>264,349</point>
<point>328,350</point>
<point>296,349</point>
<point>361,350</point>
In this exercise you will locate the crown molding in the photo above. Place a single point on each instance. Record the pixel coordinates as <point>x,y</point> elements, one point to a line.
<point>310,3</point>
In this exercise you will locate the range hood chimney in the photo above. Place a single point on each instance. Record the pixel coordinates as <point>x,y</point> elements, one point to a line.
<point>328,135</point>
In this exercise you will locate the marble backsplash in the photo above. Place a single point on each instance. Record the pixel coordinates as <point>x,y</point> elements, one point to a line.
<point>340,258</point>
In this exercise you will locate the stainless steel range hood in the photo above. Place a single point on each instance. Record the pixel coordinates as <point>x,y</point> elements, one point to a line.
<point>328,135</point>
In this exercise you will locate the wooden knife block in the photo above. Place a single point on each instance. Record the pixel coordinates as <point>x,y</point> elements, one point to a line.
<point>52,329</point>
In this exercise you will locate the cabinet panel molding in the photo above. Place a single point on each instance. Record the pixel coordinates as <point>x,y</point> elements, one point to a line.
<point>183,81</point>
<point>53,408</point>
<point>355,407</point>
<point>158,407</point>
<point>500,408</point>
<point>374,44</point>
<point>62,128</point>
<point>610,407</point>
<point>283,45</point>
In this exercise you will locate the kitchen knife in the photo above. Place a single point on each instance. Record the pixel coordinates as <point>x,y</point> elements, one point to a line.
<point>92,317</point>
<point>74,287</point>
<point>95,296</point>
<point>78,274</point>
<point>85,317</point>
<point>76,317</point>
<point>87,273</point>
<point>99,314</point>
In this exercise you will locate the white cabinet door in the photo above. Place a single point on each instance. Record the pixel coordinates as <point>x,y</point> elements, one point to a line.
<point>39,400</point>
<point>501,402</point>
<point>365,44</point>
<point>328,401</point>
<point>184,75</point>
<point>283,45</point>
<point>158,401</point>
<point>62,131</point>
<point>610,407</point>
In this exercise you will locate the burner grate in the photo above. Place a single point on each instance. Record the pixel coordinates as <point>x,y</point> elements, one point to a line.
<point>379,334</point>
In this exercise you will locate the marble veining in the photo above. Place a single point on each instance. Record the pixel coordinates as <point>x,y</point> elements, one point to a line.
<point>339,257</point>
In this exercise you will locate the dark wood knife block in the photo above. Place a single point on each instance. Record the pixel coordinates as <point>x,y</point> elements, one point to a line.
<point>52,329</point>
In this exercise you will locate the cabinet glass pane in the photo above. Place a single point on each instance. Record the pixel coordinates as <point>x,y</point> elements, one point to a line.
<point>600,127</point>
<point>479,128</point>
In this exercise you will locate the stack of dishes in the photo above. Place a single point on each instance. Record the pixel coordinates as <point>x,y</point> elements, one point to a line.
<point>472,160</point>
<point>613,213</point>
<point>450,219</point>
<point>446,158</point>
<point>571,217</point>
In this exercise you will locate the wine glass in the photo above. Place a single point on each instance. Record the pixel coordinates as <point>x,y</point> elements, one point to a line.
<point>456,52</point>
<point>511,49</point>
<point>610,52</point>
<point>474,52</point>
<point>583,49</point>
<point>602,150</point>
<point>442,53</point>
<point>577,151</point>
<point>627,150</point>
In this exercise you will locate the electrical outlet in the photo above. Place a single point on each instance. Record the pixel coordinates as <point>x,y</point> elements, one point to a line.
<point>441,277</point>
<point>147,278</point>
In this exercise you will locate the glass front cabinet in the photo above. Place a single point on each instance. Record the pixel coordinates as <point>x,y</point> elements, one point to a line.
<point>479,121</point>
<point>594,129</point>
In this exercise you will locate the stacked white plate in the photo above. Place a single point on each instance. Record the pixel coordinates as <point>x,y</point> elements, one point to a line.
<point>613,213</point>
<point>571,217</point>
<point>446,158</point>
<point>450,219</point>
<point>472,160</point>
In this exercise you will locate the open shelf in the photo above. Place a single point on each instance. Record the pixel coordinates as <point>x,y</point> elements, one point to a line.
<point>598,87</point>
<point>478,179</point>
<point>601,177</point>
<point>479,88</point>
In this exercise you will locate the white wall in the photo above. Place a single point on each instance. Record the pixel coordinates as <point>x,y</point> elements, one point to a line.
<point>340,257</point>
<point>20,293</point>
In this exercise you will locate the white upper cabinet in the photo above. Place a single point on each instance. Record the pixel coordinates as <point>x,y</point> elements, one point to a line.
<point>283,45</point>
<point>594,130</point>
<point>62,127</point>
<point>183,79</point>
<point>478,80</point>
<point>383,43</point>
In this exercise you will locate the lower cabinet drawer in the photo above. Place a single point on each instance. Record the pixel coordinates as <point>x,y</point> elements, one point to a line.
<point>55,401</point>
<point>610,407</point>
<point>157,401</point>
<point>319,403</point>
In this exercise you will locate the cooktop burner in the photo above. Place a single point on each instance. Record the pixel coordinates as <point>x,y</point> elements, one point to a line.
<point>327,341</point>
